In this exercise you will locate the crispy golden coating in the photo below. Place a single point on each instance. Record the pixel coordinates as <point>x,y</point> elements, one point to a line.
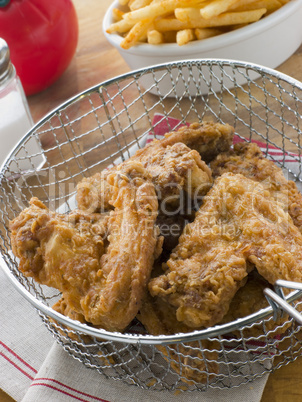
<point>239,222</point>
<point>207,138</point>
<point>175,163</point>
<point>248,160</point>
<point>250,299</point>
<point>196,360</point>
<point>43,241</point>
<point>64,308</point>
<point>101,265</point>
<point>175,171</point>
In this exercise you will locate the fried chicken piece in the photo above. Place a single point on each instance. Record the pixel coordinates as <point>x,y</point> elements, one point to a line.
<point>53,247</point>
<point>208,138</point>
<point>64,308</point>
<point>196,360</point>
<point>250,299</point>
<point>247,159</point>
<point>174,163</point>
<point>101,265</point>
<point>175,171</point>
<point>239,222</point>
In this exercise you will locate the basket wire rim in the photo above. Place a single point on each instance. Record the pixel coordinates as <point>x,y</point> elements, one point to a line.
<point>202,61</point>
<point>210,332</point>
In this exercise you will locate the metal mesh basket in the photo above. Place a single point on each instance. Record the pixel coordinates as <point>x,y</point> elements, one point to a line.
<point>101,126</point>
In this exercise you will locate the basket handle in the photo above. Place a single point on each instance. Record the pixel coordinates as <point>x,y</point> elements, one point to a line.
<point>277,299</point>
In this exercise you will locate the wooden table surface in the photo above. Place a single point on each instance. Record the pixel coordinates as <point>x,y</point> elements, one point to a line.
<point>95,61</point>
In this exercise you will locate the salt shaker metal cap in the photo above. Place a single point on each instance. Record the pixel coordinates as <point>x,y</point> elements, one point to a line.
<point>6,67</point>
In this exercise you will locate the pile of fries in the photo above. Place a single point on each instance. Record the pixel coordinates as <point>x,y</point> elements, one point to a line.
<point>182,21</point>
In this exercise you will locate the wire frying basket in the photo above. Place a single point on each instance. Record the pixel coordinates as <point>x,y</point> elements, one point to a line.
<point>103,126</point>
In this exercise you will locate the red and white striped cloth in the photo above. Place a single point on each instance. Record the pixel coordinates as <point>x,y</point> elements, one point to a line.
<point>35,368</point>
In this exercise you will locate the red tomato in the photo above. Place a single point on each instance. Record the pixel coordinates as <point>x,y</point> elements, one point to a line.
<point>42,36</point>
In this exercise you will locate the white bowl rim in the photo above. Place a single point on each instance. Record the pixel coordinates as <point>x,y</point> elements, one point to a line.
<point>223,40</point>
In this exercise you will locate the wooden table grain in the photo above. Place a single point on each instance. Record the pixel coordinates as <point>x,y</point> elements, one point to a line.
<point>95,61</point>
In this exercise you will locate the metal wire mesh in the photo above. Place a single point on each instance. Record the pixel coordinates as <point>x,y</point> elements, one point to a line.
<point>99,127</point>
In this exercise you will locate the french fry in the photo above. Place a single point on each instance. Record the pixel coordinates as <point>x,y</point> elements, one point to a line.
<point>157,9</point>
<point>216,7</point>
<point>187,14</point>
<point>136,4</point>
<point>235,18</point>
<point>185,36</point>
<point>155,37</point>
<point>241,4</point>
<point>204,33</point>
<point>123,2</point>
<point>244,17</point>
<point>246,5</point>
<point>121,26</point>
<point>117,14</point>
<point>136,33</point>
<point>170,24</point>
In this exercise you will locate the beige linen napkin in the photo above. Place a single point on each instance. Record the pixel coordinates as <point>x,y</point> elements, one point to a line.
<point>63,379</point>
<point>24,341</point>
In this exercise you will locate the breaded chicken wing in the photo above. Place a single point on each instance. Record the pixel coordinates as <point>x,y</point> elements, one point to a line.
<point>239,225</point>
<point>100,264</point>
<point>250,299</point>
<point>207,138</point>
<point>64,308</point>
<point>248,160</point>
<point>175,171</point>
<point>53,247</point>
<point>175,163</point>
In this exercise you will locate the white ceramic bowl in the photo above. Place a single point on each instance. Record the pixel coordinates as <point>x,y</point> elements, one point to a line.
<point>267,42</point>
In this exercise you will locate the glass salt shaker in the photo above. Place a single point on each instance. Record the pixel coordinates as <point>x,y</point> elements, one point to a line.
<point>15,117</point>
